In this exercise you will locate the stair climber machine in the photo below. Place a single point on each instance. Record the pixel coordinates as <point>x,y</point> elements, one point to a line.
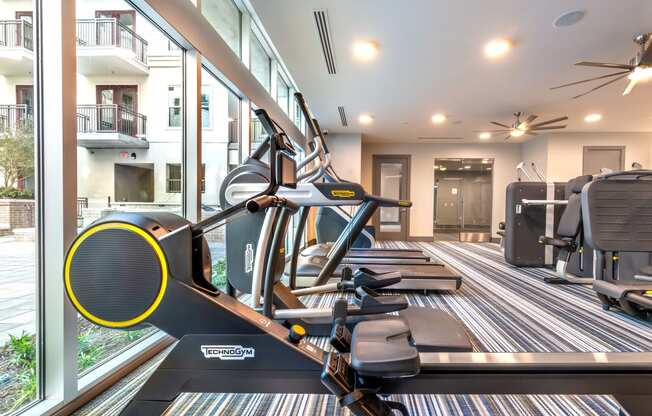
<point>128,270</point>
<point>416,272</point>
<point>225,346</point>
<point>283,304</point>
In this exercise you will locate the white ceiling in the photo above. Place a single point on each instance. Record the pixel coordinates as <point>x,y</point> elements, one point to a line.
<point>431,60</point>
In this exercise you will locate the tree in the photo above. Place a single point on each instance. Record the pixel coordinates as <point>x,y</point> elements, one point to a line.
<point>16,155</point>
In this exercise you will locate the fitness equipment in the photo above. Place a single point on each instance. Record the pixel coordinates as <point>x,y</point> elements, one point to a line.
<point>280,303</point>
<point>570,239</point>
<point>129,270</point>
<point>415,271</point>
<point>617,216</point>
<point>532,209</point>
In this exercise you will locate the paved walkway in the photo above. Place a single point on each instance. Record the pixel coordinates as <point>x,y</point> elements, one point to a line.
<point>17,287</point>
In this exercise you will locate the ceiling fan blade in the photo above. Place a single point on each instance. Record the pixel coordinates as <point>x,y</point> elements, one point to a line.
<point>630,86</point>
<point>508,137</point>
<point>548,128</point>
<point>554,120</point>
<point>600,86</point>
<point>530,119</point>
<point>605,65</point>
<point>501,124</point>
<point>530,133</point>
<point>589,80</point>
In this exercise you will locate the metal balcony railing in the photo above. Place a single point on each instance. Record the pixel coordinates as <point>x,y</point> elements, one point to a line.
<point>110,118</point>
<point>15,116</point>
<point>110,32</point>
<point>16,34</point>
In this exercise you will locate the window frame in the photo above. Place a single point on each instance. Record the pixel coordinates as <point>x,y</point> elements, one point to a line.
<point>169,181</point>
<point>170,107</point>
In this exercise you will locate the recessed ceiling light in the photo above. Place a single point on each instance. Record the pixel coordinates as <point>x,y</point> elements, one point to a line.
<point>467,167</point>
<point>516,133</point>
<point>593,118</point>
<point>485,161</point>
<point>485,135</point>
<point>497,48</point>
<point>443,168</point>
<point>568,19</point>
<point>366,119</point>
<point>365,50</point>
<point>439,118</point>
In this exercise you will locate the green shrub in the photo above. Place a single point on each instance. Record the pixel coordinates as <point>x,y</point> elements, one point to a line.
<point>23,348</point>
<point>13,193</point>
<point>88,352</point>
<point>218,277</point>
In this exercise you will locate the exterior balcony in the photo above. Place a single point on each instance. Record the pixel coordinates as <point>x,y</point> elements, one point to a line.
<point>15,117</point>
<point>16,47</point>
<point>110,126</point>
<point>107,47</point>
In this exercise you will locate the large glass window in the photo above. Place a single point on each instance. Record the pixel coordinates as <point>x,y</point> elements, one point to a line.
<point>225,17</point>
<point>220,153</point>
<point>260,64</point>
<point>174,106</point>
<point>283,94</point>
<point>256,131</point>
<point>129,114</point>
<point>19,325</point>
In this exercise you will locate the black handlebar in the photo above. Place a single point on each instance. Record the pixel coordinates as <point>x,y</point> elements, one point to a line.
<point>261,203</point>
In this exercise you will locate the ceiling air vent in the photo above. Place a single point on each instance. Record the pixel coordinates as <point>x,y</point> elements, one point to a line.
<point>323,28</point>
<point>343,116</point>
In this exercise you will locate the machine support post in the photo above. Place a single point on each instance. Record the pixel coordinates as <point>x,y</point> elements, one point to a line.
<point>341,246</point>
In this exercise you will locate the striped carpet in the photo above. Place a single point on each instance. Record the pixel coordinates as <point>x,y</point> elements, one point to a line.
<point>506,309</point>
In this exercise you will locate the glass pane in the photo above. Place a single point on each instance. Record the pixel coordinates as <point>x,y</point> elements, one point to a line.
<point>260,64</point>
<point>224,15</point>
<point>206,106</point>
<point>283,94</point>
<point>125,149</point>
<point>391,175</point>
<point>257,133</point>
<point>217,144</point>
<point>18,205</point>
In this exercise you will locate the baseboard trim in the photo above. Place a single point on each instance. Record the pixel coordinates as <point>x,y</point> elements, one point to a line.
<point>424,239</point>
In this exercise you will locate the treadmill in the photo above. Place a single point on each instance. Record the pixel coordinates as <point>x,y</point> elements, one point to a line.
<point>331,221</point>
<point>319,270</point>
<point>324,263</point>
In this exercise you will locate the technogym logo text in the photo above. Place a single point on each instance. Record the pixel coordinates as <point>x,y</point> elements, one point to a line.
<point>228,352</point>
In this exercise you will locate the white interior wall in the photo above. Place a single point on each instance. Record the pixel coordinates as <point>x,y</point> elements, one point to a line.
<point>506,157</point>
<point>346,152</point>
<point>535,150</point>
<point>566,150</point>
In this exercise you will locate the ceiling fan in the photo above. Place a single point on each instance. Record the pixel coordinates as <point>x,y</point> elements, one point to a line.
<point>519,128</point>
<point>639,68</point>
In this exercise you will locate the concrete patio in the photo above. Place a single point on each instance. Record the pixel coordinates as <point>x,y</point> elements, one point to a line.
<point>17,287</point>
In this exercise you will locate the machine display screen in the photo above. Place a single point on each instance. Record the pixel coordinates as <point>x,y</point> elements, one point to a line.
<point>287,174</point>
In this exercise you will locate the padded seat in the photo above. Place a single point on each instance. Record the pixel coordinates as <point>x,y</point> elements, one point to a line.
<point>384,349</point>
<point>436,331</point>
